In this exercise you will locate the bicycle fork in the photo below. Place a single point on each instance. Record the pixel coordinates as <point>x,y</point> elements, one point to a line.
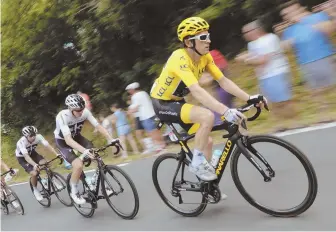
<point>245,147</point>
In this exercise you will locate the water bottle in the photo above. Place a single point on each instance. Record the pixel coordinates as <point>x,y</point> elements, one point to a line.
<point>94,178</point>
<point>44,182</point>
<point>215,157</point>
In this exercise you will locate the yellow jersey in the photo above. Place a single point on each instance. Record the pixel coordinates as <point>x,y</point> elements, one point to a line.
<point>179,73</point>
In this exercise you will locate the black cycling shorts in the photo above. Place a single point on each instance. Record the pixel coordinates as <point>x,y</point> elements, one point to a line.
<point>36,157</point>
<point>67,151</point>
<point>175,112</point>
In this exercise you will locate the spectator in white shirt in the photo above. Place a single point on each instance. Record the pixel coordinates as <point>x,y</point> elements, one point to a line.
<point>142,104</point>
<point>271,67</point>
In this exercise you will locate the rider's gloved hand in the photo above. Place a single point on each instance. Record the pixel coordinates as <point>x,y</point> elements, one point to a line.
<point>12,172</point>
<point>257,99</point>
<point>36,167</point>
<point>88,153</point>
<point>233,116</point>
<point>113,140</point>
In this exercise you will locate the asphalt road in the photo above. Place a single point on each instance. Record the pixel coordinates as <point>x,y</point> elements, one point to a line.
<point>232,214</point>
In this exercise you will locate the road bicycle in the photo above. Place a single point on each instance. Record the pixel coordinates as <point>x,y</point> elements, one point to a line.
<point>108,176</point>
<point>244,145</point>
<point>10,198</point>
<point>54,183</point>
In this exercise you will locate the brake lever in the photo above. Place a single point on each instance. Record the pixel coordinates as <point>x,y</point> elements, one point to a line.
<point>265,105</point>
<point>118,149</point>
<point>243,124</point>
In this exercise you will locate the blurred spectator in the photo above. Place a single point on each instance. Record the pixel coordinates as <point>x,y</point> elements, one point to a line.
<point>142,104</point>
<point>308,35</point>
<point>86,97</point>
<point>145,142</point>
<point>119,118</point>
<point>221,95</point>
<point>271,67</point>
<point>106,123</point>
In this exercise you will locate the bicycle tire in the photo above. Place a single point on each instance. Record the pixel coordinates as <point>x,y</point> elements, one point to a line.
<point>108,169</point>
<point>64,184</point>
<point>44,194</point>
<point>155,167</point>
<point>312,179</point>
<point>4,207</point>
<point>78,208</point>
<point>17,199</point>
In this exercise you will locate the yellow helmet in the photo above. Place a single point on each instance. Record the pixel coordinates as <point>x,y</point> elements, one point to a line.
<point>191,26</point>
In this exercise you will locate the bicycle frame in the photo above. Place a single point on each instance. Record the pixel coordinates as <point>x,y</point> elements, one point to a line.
<point>100,165</point>
<point>234,138</point>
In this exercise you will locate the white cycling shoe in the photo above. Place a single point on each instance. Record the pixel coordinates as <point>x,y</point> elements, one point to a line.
<point>204,171</point>
<point>78,199</point>
<point>38,195</point>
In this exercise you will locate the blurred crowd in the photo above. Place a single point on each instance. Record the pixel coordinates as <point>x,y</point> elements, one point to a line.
<point>306,33</point>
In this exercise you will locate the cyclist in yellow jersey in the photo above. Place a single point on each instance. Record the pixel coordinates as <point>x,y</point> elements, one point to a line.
<point>179,77</point>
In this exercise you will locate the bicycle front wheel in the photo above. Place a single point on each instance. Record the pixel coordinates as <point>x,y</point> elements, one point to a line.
<point>87,210</point>
<point>115,182</point>
<point>192,203</point>
<point>46,201</point>
<point>289,166</point>
<point>58,184</point>
<point>14,201</point>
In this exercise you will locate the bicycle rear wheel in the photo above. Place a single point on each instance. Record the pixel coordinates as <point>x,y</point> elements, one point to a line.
<point>46,201</point>
<point>293,151</point>
<point>12,197</point>
<point>112,186</point>
<point>87,210</point>
<point>201,201</point>
<point>59,184</point>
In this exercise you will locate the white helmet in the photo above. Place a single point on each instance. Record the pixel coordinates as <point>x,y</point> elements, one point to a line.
<point>29,131</point>
<point>75,101</point>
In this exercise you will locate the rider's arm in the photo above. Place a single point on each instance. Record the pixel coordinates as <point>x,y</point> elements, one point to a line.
<point>29,159</point>
<point>99,127</point>
<point>46,144</point>
<point>206,99</point>
<point>200,94</point>
<point>4,166</point>
<point>72,143</point>
<point>224,82</point>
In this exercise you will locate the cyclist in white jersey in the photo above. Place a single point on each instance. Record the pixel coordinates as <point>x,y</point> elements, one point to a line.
<point>69,124</point>
<point>28,158</point>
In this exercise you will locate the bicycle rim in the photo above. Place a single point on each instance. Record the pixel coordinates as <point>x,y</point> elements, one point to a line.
<point>59,184</point>
<point>188,213</point>
<point>113,185</point>
<point>46,201</point>
<point>20,209</point>
<point>310,172</point>
<point>81,208</point>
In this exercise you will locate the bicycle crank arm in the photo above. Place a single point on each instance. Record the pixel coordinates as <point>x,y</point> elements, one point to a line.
<point>189,189</point>
<point>252,160</point>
